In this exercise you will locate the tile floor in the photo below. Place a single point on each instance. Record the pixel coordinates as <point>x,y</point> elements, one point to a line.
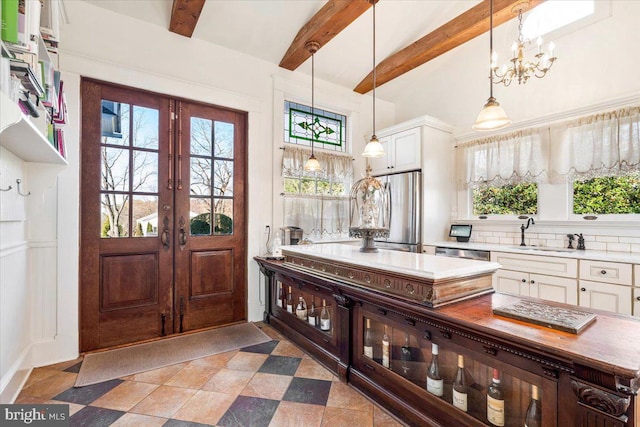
<point>270,384</point>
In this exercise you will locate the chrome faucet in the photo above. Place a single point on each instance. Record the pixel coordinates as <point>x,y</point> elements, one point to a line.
<point>523,227</point>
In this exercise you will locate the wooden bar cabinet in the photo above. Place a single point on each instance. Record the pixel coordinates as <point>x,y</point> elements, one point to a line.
<point>585,379</point>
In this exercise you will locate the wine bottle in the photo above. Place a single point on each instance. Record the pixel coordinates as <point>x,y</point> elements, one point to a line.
<point>280,299</point>
<point>405,355</point>
<point>313,314</point>
<point>435,383</point>
<point>386,360</point>
<point>495,401</point>
<point>534,411</point>
<point>325,318</point>
<point>290,301</point>
<point>460,387</point>
<point>301,309</point>
<point>368,340</point>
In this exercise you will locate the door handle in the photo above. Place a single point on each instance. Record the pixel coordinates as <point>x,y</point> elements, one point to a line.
<point>182,236</point>
<point>164,237</point>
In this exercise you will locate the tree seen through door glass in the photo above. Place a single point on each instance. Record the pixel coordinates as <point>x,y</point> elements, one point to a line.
<point>211,175</point>
<point>129,170</point>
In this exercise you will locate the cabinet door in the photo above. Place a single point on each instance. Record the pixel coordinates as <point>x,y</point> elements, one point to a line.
<point>636,302</point>
<point>511,282</point>
<point>380,165</point>
<point>605,296</point>
<point>406,149</point>
<point>559,289</point>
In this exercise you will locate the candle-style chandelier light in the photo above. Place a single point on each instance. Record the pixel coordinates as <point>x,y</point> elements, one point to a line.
<point>521,69</point>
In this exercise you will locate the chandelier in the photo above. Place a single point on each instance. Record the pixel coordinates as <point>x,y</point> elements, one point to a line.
<point>520,69</point>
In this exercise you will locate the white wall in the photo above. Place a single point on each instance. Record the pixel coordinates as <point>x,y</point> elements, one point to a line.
<point>115,48</point>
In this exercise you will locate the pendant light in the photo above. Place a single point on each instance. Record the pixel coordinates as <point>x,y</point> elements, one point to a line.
<point>373,147</point>
<point>312,165</point>
<point>492,115</point>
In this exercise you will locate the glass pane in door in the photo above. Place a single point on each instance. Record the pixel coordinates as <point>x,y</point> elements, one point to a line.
<point>129,170</point>
<point>200,215</point>
<point>223,210</point>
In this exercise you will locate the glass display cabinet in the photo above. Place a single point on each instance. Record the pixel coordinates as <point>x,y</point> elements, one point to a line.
<point>397,353</point>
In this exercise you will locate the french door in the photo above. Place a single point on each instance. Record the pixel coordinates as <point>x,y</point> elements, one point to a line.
<point>163,227</point>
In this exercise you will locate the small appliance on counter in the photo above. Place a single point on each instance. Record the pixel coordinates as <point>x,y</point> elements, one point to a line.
<point>462,232</point>
<point>290,235</point>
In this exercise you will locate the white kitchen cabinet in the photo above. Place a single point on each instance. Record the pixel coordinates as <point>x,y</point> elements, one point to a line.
<point>402,153</point>
<point>429,250</point>
<point>605,296</point>
<point>636,302</point>
<point>551,288</point>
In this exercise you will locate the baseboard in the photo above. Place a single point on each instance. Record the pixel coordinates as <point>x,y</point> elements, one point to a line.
<point>12,383</point>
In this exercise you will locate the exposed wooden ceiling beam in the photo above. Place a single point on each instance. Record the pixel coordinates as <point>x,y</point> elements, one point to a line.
<point>184,16</point>
<point>334,17</point>
<point>459,30</point>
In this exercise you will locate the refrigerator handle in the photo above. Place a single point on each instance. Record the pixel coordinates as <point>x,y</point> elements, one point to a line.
<point>389,201</point>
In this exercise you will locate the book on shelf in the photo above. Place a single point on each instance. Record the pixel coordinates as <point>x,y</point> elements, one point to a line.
<point>9,22</point>
<point>29,78</point>
<point>27,106</point>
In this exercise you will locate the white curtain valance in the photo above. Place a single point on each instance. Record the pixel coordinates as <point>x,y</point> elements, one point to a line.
<point>505,159</point>
<point>334,167</point>
<point>598,145</point>
<point>320,217</point>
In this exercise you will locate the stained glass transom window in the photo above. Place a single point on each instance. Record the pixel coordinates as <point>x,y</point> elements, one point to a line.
<point>326,129</point>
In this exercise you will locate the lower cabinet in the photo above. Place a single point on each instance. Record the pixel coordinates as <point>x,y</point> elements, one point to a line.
<point>606,296</point>
<point>551,288</point>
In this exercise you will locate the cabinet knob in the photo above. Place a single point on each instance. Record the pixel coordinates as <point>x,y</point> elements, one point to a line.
<point>524,280</point>
<point>583,289</point>
<point>637,298</point>
<point>603,271</point>
<point>533,282</point>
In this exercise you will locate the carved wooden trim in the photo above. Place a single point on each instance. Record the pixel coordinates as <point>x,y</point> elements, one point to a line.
<point>428,292</point>
<point>599,399</point>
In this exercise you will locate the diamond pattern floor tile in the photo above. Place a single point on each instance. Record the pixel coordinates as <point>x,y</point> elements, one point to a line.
<point>249,411</point>
<point>272,384</point>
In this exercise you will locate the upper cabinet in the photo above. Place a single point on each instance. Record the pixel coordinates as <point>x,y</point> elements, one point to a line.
<point>402,153</point>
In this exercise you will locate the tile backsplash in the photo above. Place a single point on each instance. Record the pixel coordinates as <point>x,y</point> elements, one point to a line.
<point>597,238</point>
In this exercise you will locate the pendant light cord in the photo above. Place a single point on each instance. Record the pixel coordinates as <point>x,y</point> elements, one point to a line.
<point>374,67</point>
<point>313,92</point>
<point>490,48</point>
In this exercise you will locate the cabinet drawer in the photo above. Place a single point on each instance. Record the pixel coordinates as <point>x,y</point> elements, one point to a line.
<point>636,276</point>
<point>563,267</point>
<point>608,272</point>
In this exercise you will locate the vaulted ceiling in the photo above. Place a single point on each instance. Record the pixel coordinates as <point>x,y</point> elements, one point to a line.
<point>408,33</point>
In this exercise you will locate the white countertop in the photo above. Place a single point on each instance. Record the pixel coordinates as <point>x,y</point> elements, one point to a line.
<point>414,264</point>
<point>630,257</point>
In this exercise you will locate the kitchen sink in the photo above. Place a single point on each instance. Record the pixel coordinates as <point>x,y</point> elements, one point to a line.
<point>541,249</point>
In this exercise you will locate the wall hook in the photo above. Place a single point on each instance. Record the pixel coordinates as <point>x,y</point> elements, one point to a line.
<point>19,181</point>
<point>6,189</point>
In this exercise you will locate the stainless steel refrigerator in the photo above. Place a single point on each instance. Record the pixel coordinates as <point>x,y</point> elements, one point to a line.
<point>405,229</point>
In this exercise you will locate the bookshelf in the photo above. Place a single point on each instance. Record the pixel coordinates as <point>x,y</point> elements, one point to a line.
<point>22,137</point>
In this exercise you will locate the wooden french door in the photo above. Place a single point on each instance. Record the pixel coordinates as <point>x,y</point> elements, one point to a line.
<point>163,227</point>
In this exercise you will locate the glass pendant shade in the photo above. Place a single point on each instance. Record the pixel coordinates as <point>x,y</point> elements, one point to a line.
<point>492,116</point>
<point>373,148</point>
<point>312,164</point>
